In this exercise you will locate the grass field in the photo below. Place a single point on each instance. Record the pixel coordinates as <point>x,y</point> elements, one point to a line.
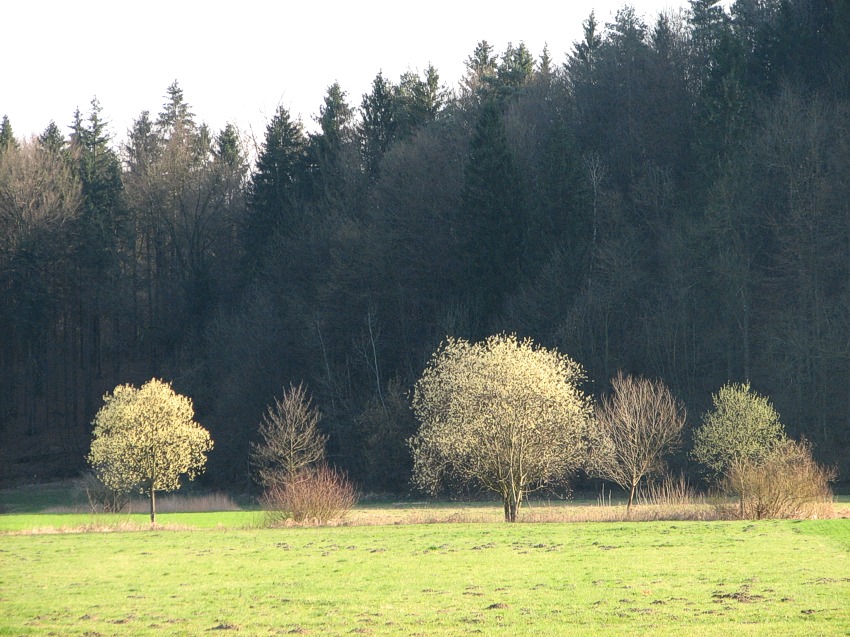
<point>217,573</point>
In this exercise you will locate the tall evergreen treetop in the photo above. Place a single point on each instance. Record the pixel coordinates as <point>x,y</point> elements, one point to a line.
<point>585,50</point>
<point>142,147</point>
<point>515,69</point>
<point>336,123</point>
<point>100,173</point>
<point>278,183</point>
<point>481,68</point>
<point>227,146</point>
<point>7,136</point>
<point>378,124</point>
<point>52,139</point>
<point>417,101</point>
<point>175,115</point>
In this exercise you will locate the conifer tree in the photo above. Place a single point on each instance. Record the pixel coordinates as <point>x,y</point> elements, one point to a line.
<point>515,70</point>
<point>176,116</point>
<point>100,173</point>
<point>378,124</point>
<point>277,185</point>
<point>480,71</point>
<point>328,148</point>
<point>417,101</point>
<point>492,212</point>
<point>227,146</point>
<point>52,139</point>
<point>7,136</point>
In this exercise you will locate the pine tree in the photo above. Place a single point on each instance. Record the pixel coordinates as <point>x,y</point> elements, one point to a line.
<point>277,185</point>
<point>493,212</point>
<point>52,139</point>
<point>329,146</point>
<point>7,136</point>
<point>176,116</point>
<point>378,124</point>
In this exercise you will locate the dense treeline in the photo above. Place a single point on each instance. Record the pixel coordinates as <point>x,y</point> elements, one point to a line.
<point>672,200</point>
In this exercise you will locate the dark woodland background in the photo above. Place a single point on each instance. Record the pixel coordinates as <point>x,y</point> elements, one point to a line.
<point>671,199</point>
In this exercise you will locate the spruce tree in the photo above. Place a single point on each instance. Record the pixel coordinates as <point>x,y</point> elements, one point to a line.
<point>277,185</point>
<point>175,115</point>
<point>227,146</point>
<point>7,136</point>
<point>328,147</point>
<point>515,70</point>
<point>492,212</point>
<point>417,101</point>
<point>52,139</point>
<point>480,71</point>
<point>378,124</point>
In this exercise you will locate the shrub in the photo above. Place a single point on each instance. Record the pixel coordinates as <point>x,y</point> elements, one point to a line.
<point>102,498</point>
<point>786,484</point>
<point>315,494</point>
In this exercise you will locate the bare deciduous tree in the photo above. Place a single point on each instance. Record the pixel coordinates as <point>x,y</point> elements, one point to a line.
<point>291,440</point>
<point>38,192</point>
<point>638,423</point>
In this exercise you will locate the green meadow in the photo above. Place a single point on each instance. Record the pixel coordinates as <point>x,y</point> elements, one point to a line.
<point>220,573</point>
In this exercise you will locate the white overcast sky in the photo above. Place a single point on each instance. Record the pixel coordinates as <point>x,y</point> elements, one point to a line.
<point>236,61</point>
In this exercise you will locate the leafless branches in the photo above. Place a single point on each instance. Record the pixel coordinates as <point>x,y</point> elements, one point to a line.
<point>638,423</point>
<point>291,438</point>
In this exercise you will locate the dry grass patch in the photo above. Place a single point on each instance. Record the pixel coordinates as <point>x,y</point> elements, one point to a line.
<point>109,527</point>
<point>170,503</point>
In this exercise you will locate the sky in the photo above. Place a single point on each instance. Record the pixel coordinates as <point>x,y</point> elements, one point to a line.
<point>237,61</point>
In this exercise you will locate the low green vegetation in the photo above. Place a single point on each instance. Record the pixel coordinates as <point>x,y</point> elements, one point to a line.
<point>219,572</point>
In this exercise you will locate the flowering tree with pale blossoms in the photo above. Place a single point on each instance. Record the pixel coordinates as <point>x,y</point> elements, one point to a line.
<point>147,438</point>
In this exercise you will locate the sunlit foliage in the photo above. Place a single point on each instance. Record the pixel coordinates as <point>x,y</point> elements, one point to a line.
<point>504,414</point>
<point>146,439</point>
<point>742,425</point>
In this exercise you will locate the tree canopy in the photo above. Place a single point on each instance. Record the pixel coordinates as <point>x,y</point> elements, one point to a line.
<point>145,439</point>
<point>742,425</point>
<point>503,414</point>
<point>668,198</point>
<point>638,424</point>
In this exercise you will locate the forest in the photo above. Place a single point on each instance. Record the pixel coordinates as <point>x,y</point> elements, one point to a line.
<point>670,199</point>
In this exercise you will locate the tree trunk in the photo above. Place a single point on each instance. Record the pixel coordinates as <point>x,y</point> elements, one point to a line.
<point>631,498</point>
<point>153,507</point>
<point>512,503</point>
